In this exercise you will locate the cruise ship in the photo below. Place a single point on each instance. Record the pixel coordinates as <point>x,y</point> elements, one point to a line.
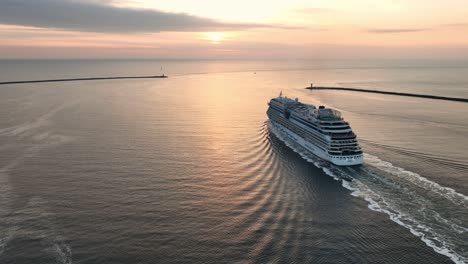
<point>322,131</point>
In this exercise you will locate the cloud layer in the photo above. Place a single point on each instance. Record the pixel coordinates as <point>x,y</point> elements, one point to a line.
<point>91,16</point>
<point>395,30</point>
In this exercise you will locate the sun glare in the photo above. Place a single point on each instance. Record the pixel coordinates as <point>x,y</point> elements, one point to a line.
<point>215,37</point>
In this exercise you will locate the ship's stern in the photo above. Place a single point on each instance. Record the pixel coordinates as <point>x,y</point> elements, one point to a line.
<point>347,160</point>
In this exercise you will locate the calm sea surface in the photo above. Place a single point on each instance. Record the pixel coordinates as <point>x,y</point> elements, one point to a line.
<point>187,169</point>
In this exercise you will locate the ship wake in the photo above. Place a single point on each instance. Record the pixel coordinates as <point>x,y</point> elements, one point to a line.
<point>430,211</point>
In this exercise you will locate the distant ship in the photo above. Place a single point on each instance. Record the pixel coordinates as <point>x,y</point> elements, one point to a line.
<point>321,131</point>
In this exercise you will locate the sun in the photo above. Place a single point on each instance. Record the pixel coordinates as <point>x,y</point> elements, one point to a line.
<point>215,37</point>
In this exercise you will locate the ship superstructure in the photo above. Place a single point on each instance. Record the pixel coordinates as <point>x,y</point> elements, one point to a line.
<point>321,131</point>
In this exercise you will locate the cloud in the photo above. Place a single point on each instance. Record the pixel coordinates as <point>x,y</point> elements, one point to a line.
<point>395,30</point>
<point>455,25</point>
<point>92,16</point>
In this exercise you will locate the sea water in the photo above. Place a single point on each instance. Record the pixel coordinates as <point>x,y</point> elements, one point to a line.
<point>188,169</point>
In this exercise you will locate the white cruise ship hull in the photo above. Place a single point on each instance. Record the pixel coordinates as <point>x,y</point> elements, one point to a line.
<point>309,146</point>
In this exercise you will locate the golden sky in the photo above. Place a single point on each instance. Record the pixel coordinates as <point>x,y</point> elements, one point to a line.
<point>243,29</point>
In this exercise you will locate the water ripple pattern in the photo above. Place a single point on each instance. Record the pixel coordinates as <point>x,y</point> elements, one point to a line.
<point>186,170</point>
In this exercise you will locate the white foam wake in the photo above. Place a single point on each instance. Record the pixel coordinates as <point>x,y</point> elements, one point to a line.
<point>63,253</point>
<point>447,193</point>
<point>379,204</point>
<point>39,122</point>
<point>39,138</point>
<point>4,239</point>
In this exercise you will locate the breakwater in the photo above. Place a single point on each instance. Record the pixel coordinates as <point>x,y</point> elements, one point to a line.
<point>428,96</point>
<point>87,79</point>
